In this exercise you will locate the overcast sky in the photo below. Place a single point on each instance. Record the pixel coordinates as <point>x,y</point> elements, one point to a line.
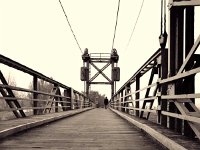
<point>36,34</point>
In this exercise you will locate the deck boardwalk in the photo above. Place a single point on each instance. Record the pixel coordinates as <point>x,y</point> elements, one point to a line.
<point>95,129</point>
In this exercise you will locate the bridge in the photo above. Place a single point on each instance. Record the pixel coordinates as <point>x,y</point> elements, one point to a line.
<point>162,113</point>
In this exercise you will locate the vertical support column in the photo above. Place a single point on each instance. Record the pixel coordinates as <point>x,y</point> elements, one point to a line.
<point>56,99</point>
<point>122,101</point>
<point>35,95</point>
<point>137,95</point>
<point>190,81</point>
<point>118,101</point>
<point>127,91</point>
<point>175,59</point>
<point>88,78</point>
<point>72,99</point>
<point>112,84</point>
<point>171,63</point>
<point>84,102</point>
<point>68,93</point>
<point>163,89</point>
<point>113,101</point>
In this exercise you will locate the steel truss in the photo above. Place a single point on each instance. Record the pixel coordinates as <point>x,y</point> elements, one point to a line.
<point>108,59</point>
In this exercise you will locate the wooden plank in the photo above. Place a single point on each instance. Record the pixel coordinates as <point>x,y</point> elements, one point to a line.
<point>97,129</point>
<point>14,126</point>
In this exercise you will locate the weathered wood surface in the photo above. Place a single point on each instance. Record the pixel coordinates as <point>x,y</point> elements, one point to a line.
<point>97,129</point>
<point>10,127</point>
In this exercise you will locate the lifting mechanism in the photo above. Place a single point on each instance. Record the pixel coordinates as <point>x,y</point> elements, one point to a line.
<point>92,60</point>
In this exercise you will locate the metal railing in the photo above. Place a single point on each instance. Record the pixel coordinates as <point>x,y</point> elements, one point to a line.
<point>135,100</point>
<point>38,101</point>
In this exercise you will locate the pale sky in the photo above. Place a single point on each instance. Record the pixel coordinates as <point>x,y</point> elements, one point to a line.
<point>36,34</point>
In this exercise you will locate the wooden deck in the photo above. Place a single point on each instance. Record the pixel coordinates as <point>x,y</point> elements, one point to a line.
<point>92,130</point>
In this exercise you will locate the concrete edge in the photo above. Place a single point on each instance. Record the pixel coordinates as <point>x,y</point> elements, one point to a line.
<point>29,125</point>
<point>162,139</point>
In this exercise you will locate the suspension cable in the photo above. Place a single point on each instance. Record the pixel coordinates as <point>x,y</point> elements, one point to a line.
<point>116,25</point>
<point>163,33</point>
<point>70,26</point>
<point>134,25</point>
<point>161,19</point>
<point>163,16</point>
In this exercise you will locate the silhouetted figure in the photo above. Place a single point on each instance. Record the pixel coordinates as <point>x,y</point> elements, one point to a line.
<point>106,102</point>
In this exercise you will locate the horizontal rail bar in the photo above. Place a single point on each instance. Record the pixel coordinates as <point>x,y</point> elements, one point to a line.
<point>180,76</point>
<point>33,108</point>
<point>28,99</point>
<point>181,96</point>
<point>140,109</point>
<point>141,99</point>
<point>30,91</point>
<point>184,117</point>
<point>152,85</point>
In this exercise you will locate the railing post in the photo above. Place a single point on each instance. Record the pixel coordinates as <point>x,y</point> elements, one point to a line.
<point>72,99</point>
<point>35,95</point>
<point>114,102</point>
<point>189,41</point>
<point>127,91</point>
<point>122,101</point>
<point>56,99</point>
<point>163,89</point>
<point>175,59</point>
<point>68,93</point>
<point>118,101</point>
<point>137,95</point>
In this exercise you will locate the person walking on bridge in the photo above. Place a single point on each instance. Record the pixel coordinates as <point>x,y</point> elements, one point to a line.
<point>106,102</point>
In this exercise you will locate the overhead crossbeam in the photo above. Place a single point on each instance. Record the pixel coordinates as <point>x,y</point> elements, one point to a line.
<point>184,3</point>
<point>100,71</point>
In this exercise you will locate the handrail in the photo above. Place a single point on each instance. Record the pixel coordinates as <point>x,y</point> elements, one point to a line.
<point>145,65</point>
<point>72,99</point>
<point>11,63</point>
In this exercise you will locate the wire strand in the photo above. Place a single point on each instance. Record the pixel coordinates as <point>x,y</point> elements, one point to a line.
<point>134,26</point>
<point>116,24</point>
<point>70,26</point>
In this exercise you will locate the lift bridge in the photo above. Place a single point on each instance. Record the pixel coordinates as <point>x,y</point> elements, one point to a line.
<point>69,120</point>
